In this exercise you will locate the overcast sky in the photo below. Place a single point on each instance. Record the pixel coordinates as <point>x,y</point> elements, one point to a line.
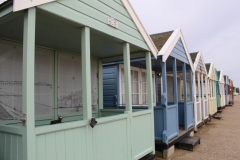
<point>210,26</point>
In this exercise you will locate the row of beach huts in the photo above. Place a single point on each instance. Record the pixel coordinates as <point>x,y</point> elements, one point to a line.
<point>82,80</point>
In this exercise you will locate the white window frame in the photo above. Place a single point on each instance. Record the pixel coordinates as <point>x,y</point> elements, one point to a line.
<point>139,70</point>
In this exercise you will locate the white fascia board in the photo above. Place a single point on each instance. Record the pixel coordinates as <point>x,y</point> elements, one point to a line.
<point>141,28</point>
<point>212,71</point>
<point>24,4</point>
<point>3,1</point>
<point>222,77</point>
<point>196,61</point>
<point>169,45</point>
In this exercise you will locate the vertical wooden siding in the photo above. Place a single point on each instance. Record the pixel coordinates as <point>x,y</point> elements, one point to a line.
<point>142,136</point>
<point>107,140</point>
<point>110,86</point>
<point>10,146</point>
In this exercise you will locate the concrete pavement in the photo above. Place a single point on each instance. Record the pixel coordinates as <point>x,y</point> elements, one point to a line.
<point>220,139</point>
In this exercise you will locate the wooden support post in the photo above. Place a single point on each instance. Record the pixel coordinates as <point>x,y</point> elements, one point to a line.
<point>199,98</point>
<point>29,137</point>
<point>185,95</point>
<point>55,91</point>
<point>195,100</point>
<point>164,102</point>
<point>86,76</point>
<point>128,94</point>
<point>149,80</point>
<point>199,95</point>
<point>100,87</point>
<point>202,95</point>
<point>127,77</point>
<point>150,93</point>
<point>174,64</point>
<point>191,88</point>
<point>175,88</point>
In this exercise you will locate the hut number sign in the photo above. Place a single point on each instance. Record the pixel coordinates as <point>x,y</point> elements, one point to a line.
<point>113,22</point>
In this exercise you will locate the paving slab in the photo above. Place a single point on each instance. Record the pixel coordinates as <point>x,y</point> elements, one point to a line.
<point>220,139</point>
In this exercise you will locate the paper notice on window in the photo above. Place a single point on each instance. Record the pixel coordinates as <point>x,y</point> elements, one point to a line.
<point>24,4</point>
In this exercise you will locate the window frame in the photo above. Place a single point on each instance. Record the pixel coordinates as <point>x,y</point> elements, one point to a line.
<point>140,71</point>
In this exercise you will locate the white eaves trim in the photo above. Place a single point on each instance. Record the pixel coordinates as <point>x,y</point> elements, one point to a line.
<point>221,79</point>
<point>199,56</point>
<point>169,45</point>
<point>24,4</point>
<point>140,27</point>
<point>212,72</point>
<point>3,1</point>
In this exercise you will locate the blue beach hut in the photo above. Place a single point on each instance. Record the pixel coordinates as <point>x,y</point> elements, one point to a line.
<point>226,87</point>
<point>172,72</point>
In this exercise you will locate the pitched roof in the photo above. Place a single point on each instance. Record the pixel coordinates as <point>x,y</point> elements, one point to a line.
<point>166,42</point>
<point>193,56</point>
<point>160,39</point>
<point>208,66</point>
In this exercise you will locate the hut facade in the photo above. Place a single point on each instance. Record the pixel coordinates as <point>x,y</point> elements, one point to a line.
<point>52,104</point>
<point>222,89</point>
<point>212,100</point>
<point>200,88</point>
<point>226,85</point>
<point>231,92</point>
<point>172,88</point>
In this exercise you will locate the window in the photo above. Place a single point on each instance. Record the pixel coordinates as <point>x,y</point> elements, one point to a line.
<point>182,90</point>
<point>139,86</point>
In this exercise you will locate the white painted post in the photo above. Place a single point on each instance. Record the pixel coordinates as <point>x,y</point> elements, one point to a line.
<point>29,137</point>
<point>202,95</point>
<point>199,95</point>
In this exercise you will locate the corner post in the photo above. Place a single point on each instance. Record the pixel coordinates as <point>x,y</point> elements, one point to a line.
<point>164,102</point>
<point>127,77</point>
<point>174,64</point>
<point>202,95</point>
<point>100,87</point>
<point>185,96</point>
<point>191,92</point>
<point>29,137</point>
<point>199,95</point>
<point>150,93</point>
<point>175,88</point>
<point>86,76</point>
<point>128,95</point>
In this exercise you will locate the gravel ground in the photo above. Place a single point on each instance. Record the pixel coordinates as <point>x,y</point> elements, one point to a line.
<point>220,139</point>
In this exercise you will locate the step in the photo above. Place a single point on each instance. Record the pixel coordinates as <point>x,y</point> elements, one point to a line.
<point>219,111</point>
<point>217,116</point>
<point>188,143</point>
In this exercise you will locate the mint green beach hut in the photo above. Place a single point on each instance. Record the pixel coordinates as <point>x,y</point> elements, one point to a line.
<point>51,85</point>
